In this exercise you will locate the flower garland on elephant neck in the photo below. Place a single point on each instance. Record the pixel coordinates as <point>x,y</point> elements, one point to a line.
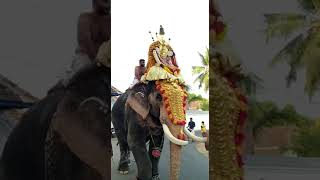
<point>174,99</point>
<point>242,116</point>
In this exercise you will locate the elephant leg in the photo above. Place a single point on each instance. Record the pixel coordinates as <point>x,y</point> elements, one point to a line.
<point>118,124</point>
<point>53,157</point>
<point>124,162</point>
<point>156,144</point>
<point>137,143</point>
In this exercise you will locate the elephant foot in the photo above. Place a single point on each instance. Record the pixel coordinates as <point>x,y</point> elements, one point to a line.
<point>156,177</point>
<point>143,179</point>
<point>123,172</point>
<point>124,163</point>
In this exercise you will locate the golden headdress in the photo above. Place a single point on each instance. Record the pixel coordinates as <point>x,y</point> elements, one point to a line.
<point>163,46</point>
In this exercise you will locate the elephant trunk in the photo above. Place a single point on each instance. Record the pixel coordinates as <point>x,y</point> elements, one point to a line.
<point>175,153</point>
<point>172,117</point>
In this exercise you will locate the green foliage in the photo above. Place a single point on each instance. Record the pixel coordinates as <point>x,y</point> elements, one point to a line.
<point>311,6</point>
<point>284,24</point>
<point>303,50</point>
<point>194,97</point>
<point>305,141</point>
<point>268,114</point>
<point>250,83</point>
<point>204,103</point>
<point>202,72</point>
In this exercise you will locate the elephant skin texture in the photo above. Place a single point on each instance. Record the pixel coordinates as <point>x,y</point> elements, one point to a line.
<point>57,139</point>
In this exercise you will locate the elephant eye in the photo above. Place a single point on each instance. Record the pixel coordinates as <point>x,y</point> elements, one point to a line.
<point>159,97</point>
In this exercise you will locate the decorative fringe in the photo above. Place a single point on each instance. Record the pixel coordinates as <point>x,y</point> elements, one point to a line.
<point>174,98</point>
<point>239,132</point>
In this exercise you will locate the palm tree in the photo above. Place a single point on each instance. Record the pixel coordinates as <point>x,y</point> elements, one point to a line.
<point>202,72</point>
<point>250,83</point>
<point>303,50</point>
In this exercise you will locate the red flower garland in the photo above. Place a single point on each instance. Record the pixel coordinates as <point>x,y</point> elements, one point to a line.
<point>180,122</point>
<point>239,135</point>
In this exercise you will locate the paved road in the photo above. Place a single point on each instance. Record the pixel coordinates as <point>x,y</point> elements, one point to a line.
<point>259,173</point>
<point>279,168</point>
<point>194,164</point>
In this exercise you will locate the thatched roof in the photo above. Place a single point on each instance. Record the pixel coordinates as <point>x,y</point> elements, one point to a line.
<point>115,90</point>
<point>11,91</point>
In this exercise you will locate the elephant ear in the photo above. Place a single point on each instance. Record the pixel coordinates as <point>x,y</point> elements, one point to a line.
<point>139,103</point>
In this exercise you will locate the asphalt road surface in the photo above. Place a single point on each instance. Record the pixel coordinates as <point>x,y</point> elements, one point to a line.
<point>195,166</point>
<point>280,167</point>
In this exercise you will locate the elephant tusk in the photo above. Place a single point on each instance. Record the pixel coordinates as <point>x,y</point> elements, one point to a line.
<point>194,137</point>
<point>172,138</point>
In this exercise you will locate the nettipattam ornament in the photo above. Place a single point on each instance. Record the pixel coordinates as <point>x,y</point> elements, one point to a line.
<point>175,99</point>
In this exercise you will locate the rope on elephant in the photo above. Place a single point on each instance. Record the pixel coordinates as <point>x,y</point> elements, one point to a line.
<point>93,99</point>
<point>103,107</point>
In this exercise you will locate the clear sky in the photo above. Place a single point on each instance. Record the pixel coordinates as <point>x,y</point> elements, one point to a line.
<point>186,23</point>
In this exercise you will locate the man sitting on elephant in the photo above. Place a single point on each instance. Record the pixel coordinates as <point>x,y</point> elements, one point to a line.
<point>93,33</point>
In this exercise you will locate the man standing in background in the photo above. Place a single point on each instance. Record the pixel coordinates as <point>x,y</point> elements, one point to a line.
<point>203,129</point>
<point>191,125</point>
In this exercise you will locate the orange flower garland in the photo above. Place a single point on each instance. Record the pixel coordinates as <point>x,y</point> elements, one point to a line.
<point>175,101</point>
<point>217,28</point>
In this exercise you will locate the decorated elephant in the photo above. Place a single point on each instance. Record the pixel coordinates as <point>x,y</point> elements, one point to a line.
<point>64,135</point>
<point>140,115</point>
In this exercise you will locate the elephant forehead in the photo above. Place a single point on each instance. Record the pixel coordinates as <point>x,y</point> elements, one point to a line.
<point>174,98</point>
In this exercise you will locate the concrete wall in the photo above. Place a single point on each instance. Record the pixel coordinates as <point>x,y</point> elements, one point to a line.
<point>271,140</point>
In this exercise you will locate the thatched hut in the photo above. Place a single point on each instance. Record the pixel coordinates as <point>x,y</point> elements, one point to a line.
<point>10,92</point>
